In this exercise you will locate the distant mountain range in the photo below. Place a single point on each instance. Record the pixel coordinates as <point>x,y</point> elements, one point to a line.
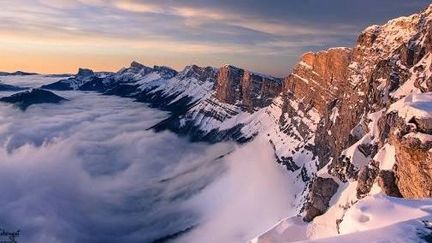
<point>17,73</point>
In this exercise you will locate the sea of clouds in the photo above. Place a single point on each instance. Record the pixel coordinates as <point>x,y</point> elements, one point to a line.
<point>88,170</point>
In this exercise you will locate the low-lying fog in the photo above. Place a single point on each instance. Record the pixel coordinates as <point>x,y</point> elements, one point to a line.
<point>87,170</point>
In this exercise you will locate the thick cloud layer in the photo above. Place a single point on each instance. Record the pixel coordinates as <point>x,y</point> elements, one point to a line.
<point>250,198</point>
<point>88,170</point>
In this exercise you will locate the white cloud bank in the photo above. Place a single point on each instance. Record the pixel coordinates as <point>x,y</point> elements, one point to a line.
<point>88,170</point>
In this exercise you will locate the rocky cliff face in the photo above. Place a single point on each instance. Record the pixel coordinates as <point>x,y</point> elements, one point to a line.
<point>373,123</point>
<point>244,88</point>
<point>320,78</point>
<point>319,82</point>
<point>226,108</point>
<point>413,167</point>
<point>375,140</point>
<point>228,85</point>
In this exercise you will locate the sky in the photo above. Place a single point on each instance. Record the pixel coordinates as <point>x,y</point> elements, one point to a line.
<point>59,36</point>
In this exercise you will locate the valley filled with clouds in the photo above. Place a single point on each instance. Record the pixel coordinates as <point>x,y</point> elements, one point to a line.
<point>88,170</point>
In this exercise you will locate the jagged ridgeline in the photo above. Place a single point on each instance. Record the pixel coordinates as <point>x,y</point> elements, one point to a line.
<point>337,119</point>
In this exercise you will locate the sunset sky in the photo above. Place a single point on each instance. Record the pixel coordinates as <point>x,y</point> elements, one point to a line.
<point>58,36</point>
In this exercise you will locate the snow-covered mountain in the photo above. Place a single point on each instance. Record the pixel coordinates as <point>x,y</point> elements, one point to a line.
<point>373,136</point>
<point>201,99</point>
<point>352,125</point>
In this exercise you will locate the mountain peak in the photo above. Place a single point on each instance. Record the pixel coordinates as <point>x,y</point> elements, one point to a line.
<point>192,67</point>
<point>85,72</point>
<point>229,66</point>
<point>137,65</point>
<point>165,71</point>
<point>428,10</point>
<point>199,73</point>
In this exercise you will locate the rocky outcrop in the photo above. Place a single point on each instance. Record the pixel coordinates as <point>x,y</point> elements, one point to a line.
<point>409,132</point>
<point>246,89</point>
<point>85,72</point>
<point>258,90</point>
<point>321,192</point>
<point>228,84</point>
<point>85,80</point>
<point>137,67</point>
<point>319,82</point>
<point>320,78</point>
<point>413,169</point>
<point>424,125</point>
<point>35,96</point>
<point>366,179</point>
<point>387,182</point>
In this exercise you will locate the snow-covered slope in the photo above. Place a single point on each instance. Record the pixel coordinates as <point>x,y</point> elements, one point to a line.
<point>162,87</point>
<point>376,218</point>
<point>85,79</point>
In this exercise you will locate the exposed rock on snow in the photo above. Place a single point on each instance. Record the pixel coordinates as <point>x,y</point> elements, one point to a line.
<point>387,182</point>
<point>366,179</point>
<point>320,195</point>
<point>413,169</point>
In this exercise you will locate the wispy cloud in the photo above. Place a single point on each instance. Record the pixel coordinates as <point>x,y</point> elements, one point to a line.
<point>138,7</point>
<point>197,16</point>
<point>221,29</point>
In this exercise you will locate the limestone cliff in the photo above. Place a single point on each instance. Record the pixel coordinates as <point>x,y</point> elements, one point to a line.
<point>249,90</point>
<point>381,113</point>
